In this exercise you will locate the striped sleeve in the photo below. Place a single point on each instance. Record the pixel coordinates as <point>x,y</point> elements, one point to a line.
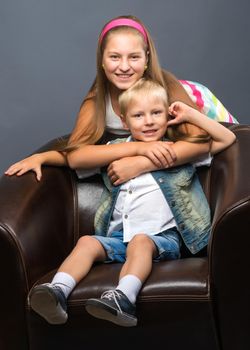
<point>207,102</point>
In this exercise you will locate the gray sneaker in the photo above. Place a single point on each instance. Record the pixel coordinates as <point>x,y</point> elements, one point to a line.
<point>113,306</point>
<point>49,302</point>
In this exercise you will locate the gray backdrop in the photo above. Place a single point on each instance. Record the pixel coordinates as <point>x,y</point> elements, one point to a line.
<point>47,58</point>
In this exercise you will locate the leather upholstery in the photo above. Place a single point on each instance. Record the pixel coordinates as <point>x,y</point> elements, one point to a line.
<point>197,302</point>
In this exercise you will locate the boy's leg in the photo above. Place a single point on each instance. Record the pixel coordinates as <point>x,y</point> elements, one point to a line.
<point>49,300</point>
<point>118,305</point>
<point>143,250</point>
<point>140,253</point>
<point>87,250</point>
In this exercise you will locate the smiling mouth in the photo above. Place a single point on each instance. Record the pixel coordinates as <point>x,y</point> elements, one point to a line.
<point>124,76</point>
<point>150,132</point>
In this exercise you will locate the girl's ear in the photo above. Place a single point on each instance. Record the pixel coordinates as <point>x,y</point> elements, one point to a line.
<point>123,119</point>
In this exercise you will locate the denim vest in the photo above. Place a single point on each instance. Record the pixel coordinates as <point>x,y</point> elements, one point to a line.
<point>184,194</point>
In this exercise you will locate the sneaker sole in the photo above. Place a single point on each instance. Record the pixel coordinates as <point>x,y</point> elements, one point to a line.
<point>105,312</point>
<point>45,304</point>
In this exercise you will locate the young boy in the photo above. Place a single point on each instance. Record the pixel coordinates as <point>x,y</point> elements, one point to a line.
<point>145,219</point>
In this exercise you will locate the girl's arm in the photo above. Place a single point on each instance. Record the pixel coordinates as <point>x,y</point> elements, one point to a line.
<point>157,154</point>
<point>134,158</point>
<point>89,156</point>
<point>221,137</point>
<point>35,162</point>
<point>127,168</point>
<point>124,169</point>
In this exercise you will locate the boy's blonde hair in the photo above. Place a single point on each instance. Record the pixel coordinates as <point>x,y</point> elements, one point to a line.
<point>148,87</point>
<point>142,87</point>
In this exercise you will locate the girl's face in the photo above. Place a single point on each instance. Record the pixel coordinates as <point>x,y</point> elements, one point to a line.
<point>124,59</point>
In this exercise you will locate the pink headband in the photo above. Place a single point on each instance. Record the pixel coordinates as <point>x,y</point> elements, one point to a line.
<point>124,22</point>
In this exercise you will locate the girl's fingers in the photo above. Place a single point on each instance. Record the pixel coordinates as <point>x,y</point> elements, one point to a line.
<point>10,170</point>
<point>38,173</point>
<point>170,150</point>
<point>158,158</point>
<point>21,172</point>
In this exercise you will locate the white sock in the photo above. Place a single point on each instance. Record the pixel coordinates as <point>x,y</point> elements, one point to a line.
<point>130,285</point>
<point>65,281</point>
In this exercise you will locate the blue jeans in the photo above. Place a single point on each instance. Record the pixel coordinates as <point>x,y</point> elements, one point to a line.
<point>168,244</point>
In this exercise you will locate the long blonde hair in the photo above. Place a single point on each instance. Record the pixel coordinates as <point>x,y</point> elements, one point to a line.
<point>93,127</point>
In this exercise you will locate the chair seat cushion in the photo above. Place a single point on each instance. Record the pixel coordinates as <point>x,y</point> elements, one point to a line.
<point>178,280</point>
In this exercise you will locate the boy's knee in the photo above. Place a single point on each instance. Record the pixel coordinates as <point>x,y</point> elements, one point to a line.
<point>91,246</point>
<point>86,240</point>
<point>141,239</point>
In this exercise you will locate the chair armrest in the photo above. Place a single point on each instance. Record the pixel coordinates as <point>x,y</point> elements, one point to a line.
<point>230,241</point>
<point>38,221</point>
<point>38,225</point>
<point>230,193</point>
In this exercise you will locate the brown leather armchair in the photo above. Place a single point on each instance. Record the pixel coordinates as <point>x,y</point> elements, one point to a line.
<point>197,302</point>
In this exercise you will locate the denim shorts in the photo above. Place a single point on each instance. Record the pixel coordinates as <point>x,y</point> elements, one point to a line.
<point>168,244</point>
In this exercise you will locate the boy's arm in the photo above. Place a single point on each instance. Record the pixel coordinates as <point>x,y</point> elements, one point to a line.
<point>221,137</point>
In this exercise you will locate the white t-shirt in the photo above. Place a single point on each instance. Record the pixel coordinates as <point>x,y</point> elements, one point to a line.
<point>113,121</point>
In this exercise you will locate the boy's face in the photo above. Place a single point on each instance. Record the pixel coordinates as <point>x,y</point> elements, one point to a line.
<point>146,118</point>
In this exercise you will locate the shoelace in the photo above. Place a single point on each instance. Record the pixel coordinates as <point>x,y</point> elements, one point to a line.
<point>112,295</point>
<point>52,286</point>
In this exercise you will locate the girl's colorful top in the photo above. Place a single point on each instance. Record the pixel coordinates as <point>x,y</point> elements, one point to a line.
<point>207,102</point>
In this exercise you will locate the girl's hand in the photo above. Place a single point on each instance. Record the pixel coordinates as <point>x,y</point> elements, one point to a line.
<point>33,163</point>
<point>180,113</point>
<point>159,152</point>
